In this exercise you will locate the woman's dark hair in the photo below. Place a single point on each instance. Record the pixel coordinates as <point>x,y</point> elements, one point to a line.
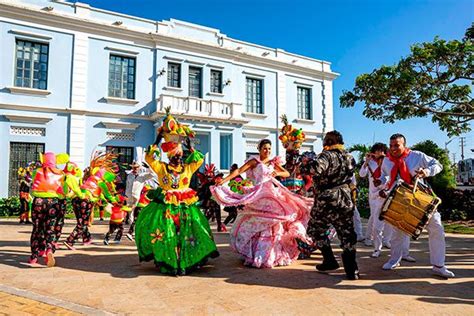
<point>263,142</point>
<point>379,147</point>
<point>333,138</point>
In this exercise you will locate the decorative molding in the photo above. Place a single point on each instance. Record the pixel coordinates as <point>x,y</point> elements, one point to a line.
<point>56,110</point>
<point>173,89</point>
<point>252,74</point>
<point>28,91</point>
<point>204,126</point>
<point>31,35</point>
<point>120,136</point>
<point>27,119</point>
<point>215,66</point>
<point>225,128</point>
<point>303,84</point>
<point>254,115</point>
<point>27,131</point>
<point>121,101</point>
<point>304,121</point>
<point>215,94</point>
<point>122,51</point>
<point>175,59</point>
<point>255,134</point>
<point>121,125</point>
<point>197,63</point>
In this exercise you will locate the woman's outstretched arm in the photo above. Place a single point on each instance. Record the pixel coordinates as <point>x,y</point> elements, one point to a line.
<point>248,165</point>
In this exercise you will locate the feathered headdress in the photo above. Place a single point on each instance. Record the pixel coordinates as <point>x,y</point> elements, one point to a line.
<point>103,165</point>
<point>210,170</point>
<point>290,137</point>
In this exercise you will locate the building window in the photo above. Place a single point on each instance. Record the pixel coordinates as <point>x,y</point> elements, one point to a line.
<point>195,82</point>
<point>174,75</point>
<point>122,77</point>
<point>20,155</point>
<point>226,152</point>
<point>254,95</point>
<point>304,103</point>
<point>216,81</point>
<point>124,160</point>
<point>31,65</point>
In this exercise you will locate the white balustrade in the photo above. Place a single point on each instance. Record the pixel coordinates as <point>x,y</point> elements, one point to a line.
<point>200,107</point>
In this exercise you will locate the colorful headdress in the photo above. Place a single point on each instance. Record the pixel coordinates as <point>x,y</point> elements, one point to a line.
<point>290,137</point>
<point>174,134</point>
<point>73,168</point>
<point>210,170</point>
<point>103,165</point>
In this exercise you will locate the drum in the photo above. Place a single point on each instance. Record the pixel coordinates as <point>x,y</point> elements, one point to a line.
<point>409,208</point>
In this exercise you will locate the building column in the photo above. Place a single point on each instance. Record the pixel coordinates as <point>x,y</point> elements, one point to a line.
<point>77,130</point>
<point>281,109</point>
<point>328,118</point>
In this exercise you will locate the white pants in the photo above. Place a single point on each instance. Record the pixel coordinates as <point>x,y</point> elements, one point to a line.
<point>381,233</point>
<point>436,240</point>
<point>357,224</point>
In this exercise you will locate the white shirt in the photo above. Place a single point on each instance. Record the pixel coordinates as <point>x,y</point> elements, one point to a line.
<point>414,161</point>
<point>364,172</point>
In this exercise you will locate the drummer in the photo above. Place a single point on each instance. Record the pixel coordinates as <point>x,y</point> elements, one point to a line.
<point>405,164</point>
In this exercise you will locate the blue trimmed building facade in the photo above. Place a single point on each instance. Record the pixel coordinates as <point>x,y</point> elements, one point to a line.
<point>76,78</point>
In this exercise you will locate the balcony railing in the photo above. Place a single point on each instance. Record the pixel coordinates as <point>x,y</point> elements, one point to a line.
<point>191,106</point>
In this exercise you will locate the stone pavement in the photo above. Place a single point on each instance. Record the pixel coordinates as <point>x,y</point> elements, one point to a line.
<point>98,279</point>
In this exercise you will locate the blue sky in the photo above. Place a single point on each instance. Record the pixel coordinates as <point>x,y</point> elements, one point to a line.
<point>355,36</point>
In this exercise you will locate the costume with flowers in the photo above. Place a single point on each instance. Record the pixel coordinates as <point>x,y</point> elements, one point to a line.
<point>292,139</point>
<point>171,230</point>
<point>98,184</point>
<point>273,217</point>
<point>209,207</point>
<point>24,178</point>
<point>48,190</point>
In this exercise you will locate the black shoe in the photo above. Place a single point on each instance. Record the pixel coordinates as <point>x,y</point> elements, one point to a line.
<point>350,264</point>
<point>106,242</point>
<point>329,261</point>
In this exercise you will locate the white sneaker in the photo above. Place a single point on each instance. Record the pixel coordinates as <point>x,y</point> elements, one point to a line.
<point>389,265</point>
<point>129,236</point>
<point>408,259</point>
<point>368,242</point>
<point>375,254</point>
<point>443,272</point>
<point>387,244</point>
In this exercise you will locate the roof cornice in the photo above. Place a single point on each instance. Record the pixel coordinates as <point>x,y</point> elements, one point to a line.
<point>151,39</point>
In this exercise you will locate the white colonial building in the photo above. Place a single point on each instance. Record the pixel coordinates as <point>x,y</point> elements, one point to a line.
<point>74,78</point>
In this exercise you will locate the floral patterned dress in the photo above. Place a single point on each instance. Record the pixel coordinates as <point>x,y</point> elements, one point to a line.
<point>171,230</point>
<point>273,217</point>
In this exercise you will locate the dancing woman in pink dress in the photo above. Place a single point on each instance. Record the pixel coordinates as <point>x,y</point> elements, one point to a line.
<point>265,230</point>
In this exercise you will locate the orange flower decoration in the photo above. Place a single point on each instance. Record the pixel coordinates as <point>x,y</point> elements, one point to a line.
<point>157,236</point>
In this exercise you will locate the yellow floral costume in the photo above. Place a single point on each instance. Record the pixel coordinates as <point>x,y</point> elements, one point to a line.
<point>172,230</point>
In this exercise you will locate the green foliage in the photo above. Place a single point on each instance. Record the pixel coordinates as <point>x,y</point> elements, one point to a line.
<point>363,202</point>
<point>445,179</point>
<point>362,149</point>
<point>10,206</point>
<point>434,80</point>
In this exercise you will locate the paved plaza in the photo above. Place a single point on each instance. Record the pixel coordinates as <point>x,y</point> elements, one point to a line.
<point>98,279</point>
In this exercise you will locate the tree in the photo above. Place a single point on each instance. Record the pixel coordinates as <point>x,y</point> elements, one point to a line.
<point>434,80</point>
<point>362,149</point>
<point>446,178</point>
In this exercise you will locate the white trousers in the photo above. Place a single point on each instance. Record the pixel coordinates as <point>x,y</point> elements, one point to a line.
<point>381,233</point>
<point>436,240</point>
<point>357,224</point>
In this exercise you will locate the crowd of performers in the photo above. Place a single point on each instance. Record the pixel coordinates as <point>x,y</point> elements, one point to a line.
<point>279,212</point>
